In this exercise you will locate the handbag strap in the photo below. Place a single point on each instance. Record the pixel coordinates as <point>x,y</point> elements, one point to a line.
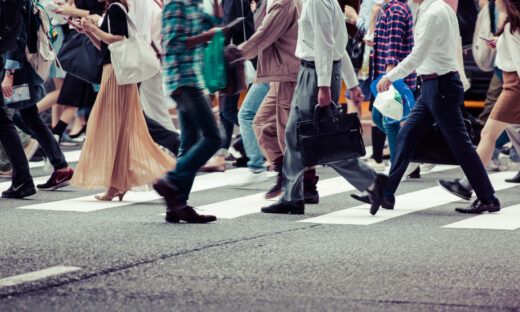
<point>130,23</point>
<point>333,112</point>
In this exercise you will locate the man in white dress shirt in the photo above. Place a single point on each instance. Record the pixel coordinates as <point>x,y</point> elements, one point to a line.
<point>322,38</point>
<point>434,57</point>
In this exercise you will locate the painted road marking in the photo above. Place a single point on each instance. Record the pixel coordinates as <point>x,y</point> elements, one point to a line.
<point>36,275</point>
<point>238,207</point>
<point>507,219</point>
<point>89,203</point>
<point>405,204</point>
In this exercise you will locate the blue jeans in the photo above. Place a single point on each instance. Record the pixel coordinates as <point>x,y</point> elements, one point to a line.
<point>246,115</point>
<point>440,101</point>
<point>391,130</point>
<point>200,138</point>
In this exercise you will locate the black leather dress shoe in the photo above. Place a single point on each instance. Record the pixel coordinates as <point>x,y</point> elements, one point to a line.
<point>167,190</point>
<point>286,208</point>
<point>515,179</point>
<point>456,189</point>
<point>416,174</point>
<point>387,203</point>
<point>376,196</point>
<point>189,215</point>
<point>479,206</point>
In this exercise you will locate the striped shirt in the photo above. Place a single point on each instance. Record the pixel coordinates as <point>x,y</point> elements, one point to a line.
<point>393,39</point>
<point>183,19</point>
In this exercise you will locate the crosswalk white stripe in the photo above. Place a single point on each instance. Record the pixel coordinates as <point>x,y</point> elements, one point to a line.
<point>70,157</point>
<point>36,275</point>
<point>89,203</point>
<point>242,206</point>
<point>405,204</point>
<point>507,219</point>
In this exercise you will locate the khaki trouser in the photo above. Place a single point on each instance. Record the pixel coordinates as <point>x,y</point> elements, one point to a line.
<point>271,119</point>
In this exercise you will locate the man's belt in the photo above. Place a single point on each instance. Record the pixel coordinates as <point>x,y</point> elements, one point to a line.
<point>435,76</point>
<point>310,64</point>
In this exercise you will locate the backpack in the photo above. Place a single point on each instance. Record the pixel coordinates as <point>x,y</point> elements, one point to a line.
<point>11,22</point>
<point>483,55</point>
<point>42,58</point>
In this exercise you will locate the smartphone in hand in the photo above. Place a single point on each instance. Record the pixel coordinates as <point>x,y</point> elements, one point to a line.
<point>491,43</point>
<point>72,23</point>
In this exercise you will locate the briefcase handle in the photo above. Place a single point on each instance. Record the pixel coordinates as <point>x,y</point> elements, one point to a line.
<point>333,110</point>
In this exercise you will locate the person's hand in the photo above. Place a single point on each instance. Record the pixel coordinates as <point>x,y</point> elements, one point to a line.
<point>492,46</point>
<point>369,43</point>
<point>87,25</point>
<point>7,86</point>
<point>356,95</point>
<point>94,18</point>
<point>63,9</point>
<point>383,84</point>
<point>324,97</point>
<point>351,13</point>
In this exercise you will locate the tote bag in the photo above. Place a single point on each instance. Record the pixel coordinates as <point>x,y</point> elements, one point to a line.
<point>80,58</point>
<point>133,58</point>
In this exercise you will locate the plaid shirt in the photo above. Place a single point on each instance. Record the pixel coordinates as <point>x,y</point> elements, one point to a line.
<point>393,39</point>
<point>183,19</point>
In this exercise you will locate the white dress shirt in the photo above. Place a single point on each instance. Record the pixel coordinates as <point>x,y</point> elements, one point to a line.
<point>437,37</point>
<point>322,38</point>
<point>147,17</point>
<point>508,51</point>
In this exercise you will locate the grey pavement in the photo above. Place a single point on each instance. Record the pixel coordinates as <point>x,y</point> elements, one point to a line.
<point>131,260</point>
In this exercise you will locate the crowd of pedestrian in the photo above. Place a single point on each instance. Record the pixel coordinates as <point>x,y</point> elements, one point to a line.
<point>79,59</point>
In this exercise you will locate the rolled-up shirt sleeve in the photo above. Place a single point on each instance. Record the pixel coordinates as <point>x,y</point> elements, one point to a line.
<point>323,40</point>
<point>348,72</point>
<point>174,34</point>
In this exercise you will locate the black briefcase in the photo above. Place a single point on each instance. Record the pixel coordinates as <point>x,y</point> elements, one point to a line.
<point>433,148</point>
<point>330,137</point>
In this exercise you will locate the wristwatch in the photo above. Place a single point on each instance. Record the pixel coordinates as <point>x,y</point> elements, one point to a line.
<point>9,72</point>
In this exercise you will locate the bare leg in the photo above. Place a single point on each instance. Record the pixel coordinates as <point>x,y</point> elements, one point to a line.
<point>52,97</point>
<point>489,135</point>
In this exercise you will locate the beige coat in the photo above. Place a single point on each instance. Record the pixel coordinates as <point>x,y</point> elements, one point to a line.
<point>274,42</point>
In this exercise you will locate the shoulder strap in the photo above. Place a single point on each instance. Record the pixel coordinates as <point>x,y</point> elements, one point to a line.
<point>131,25</point>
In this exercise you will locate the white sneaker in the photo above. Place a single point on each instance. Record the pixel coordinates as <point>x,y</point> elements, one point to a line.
<point>251,177</point>
<point>375,165</point>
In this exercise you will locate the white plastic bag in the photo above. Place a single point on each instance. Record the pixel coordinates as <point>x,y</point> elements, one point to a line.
<point>390,103</point>
<point>250,72</point>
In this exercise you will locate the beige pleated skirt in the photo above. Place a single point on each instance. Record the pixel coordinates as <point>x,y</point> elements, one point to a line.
<point>118,150</point>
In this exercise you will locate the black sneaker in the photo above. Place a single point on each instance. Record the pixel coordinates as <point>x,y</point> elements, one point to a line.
<point>456,188</point>
<point>310,192</point>
<point>20,191</point>
<point>57,180</point>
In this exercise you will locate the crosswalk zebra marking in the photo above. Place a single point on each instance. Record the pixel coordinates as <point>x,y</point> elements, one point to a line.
<point>405,204</point>
<point>507,219</point>
<point>89,203</point>
<point>70,157</point>
<point>242,206</point>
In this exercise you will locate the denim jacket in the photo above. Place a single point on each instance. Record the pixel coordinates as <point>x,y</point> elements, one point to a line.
<point>17,60</point>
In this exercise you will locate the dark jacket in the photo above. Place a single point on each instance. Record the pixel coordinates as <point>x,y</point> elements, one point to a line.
<point>17,60</point>
<point>232,10</point>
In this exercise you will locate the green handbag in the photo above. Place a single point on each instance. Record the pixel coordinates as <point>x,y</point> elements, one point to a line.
<point>214,69</point>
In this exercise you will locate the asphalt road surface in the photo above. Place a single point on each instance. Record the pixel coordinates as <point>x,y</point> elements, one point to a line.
<point>65,251</point>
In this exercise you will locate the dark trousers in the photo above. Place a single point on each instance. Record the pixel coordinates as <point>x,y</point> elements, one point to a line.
<point>440,101</point>
<point>163,136</point>
<point>41,133</point>
<point>228,119</point>
<point>200,139</point>
<point>11,142</point>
